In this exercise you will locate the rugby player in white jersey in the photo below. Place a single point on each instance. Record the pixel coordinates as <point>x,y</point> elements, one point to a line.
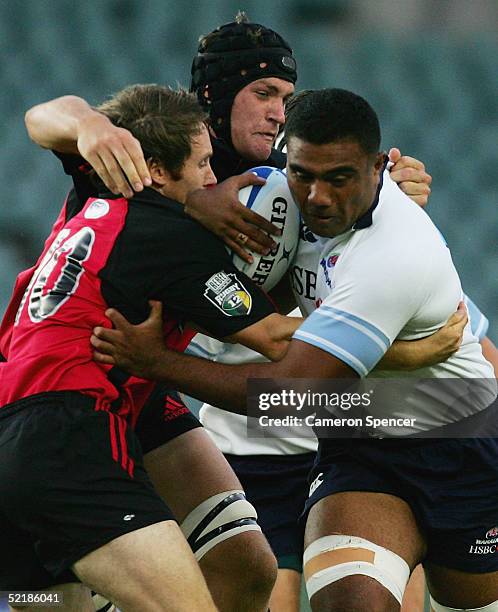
<point>274,469</point>
<point>376,253</point>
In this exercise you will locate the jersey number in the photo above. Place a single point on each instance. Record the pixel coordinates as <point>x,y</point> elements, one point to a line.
<point>76,249</point>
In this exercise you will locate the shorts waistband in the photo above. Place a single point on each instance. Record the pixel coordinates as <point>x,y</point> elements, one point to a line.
<point>69,398</point>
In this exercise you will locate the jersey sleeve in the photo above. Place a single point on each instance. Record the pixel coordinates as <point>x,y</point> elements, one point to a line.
<point>364,313</point>
<point>479,324</point>
<point>208,290</point>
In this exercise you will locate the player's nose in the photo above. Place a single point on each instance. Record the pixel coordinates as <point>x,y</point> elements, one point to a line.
<point>277,111</point>
<point>210,178</point>
<point>319,195</point>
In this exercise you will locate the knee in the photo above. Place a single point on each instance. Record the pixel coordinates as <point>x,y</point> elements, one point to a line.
<point>356,594</point>
<point>262,565</point>
<point>245,560</point>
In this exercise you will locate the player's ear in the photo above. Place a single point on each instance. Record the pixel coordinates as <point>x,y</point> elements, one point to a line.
<point>158,173</point>
<point>380,159</point>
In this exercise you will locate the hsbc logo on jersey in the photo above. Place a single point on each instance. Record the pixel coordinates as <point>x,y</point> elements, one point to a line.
<point>228,294</point>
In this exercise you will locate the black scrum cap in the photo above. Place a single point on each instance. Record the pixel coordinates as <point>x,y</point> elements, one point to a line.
<point>231,57</point>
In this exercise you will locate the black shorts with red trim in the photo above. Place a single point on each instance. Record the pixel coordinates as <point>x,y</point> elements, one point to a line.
<point>163,417</point>
<point>72,480</point>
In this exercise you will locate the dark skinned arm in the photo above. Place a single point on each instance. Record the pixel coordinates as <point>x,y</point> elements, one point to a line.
<point>222,385</point>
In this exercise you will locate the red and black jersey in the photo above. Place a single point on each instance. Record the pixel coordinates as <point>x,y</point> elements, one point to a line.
<point>112,252</point>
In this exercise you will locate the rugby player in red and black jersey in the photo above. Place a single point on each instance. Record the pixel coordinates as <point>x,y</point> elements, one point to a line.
<point>86,508</point>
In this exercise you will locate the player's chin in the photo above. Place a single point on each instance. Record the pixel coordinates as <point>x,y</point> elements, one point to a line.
<point>261,151</point>
<point>325,226</point>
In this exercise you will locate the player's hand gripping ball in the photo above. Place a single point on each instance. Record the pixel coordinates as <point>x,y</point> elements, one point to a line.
<point>274,201</point>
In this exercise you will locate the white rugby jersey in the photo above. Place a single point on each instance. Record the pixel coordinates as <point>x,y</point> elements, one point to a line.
<point>228,430</point>
<point>389,277</point>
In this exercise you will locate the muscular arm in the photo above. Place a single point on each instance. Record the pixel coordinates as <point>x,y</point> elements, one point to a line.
<point>70,125</point>
<point>139,349</point>
<point>137,344</point>
<point>226,385</point>
<point>55,124</point>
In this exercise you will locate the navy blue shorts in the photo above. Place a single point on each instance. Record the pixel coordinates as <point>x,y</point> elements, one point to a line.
<point>277,487</point>
<point>451,486</point>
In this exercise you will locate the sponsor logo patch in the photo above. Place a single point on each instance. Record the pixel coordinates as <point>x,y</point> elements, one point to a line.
<point>487,546</point>
<point>228,294</point>
<point>97,209</point>
<point>332,260</point>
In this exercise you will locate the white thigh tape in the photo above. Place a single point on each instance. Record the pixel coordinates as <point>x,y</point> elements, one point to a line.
<point>331,558</point>
<point>436,607</point>
<point>218,518</point>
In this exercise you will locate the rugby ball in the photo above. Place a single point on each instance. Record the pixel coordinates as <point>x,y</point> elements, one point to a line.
<point>275,202</point>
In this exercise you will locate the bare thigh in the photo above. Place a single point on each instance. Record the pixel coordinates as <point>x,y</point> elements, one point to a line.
<point>146,570</point>
<point>188,470</point>
<point>76,597</point>
<point>382,519</point>
<point>240,571</point>
<point>457,589</point>
<point>286,593</point>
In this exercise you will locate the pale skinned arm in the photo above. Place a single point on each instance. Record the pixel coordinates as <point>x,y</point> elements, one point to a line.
<point>270,336</point>
<point>70,125</point>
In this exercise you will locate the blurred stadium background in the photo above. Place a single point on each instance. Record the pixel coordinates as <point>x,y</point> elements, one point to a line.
<point>429,67</point>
